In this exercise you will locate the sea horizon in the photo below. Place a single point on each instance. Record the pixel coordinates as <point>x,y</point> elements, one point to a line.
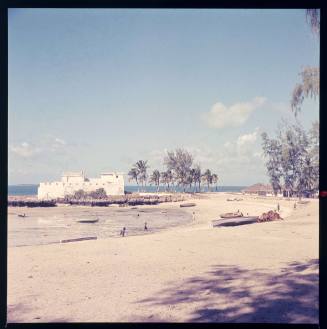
<point>31,189</point>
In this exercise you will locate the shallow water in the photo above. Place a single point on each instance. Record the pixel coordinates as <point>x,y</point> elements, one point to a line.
<point>55,224</point>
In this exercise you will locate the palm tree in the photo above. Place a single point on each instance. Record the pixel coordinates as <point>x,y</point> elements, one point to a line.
<point>142,167</point>
<point>207,177</point>
<point>133,175</point>
<point>167,177</point>
<point>155,178</point>
<point>310,76</point>
<point>189,178</point>
<point>197,176</point>
<point>215,180</point>
<point>313,18</point>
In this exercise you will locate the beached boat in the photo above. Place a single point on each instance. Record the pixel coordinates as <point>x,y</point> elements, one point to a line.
<point>79,239</point>
<point>235,221</point>
<point>88,220</point>
<point>22,216</point>
<point>231,215</point>
<point>190,204</point>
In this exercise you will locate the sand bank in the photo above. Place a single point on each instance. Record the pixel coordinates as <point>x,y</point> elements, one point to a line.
<point>265,272</point>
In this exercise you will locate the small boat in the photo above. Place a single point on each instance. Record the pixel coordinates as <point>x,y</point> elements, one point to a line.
<point>88,220</point>
<point>190,204</point>
<point>23,216</point>
<point>235,221</point>
<point>231,215</point>
<point>79,239</point>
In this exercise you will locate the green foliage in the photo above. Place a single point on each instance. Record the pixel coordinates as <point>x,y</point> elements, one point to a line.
<point>155,178</point>
<point>167,178</point>
<point>308,87</point>
<point>313,18</point>
<point>139,172</point>
<point>207,177</point>
<point>179,162</point>
<point>79,195</point>
<point>291,159</point>
<point>197,176</point>
<point>100,193</point>
<point>179,170</point>
<point>133,175</point>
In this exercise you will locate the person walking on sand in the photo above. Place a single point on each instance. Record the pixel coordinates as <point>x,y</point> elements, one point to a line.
<point>278,207</point>
<point>294,205</point>
<point>122,232</point>
<point>193,216</point>
<point>145,227</point>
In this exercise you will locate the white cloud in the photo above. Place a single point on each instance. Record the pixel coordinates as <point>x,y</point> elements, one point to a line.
<point>29,150</point>
<point>25,150</point>
<point>247,139</point>
<point>221,116</point>
<point>59,141</point>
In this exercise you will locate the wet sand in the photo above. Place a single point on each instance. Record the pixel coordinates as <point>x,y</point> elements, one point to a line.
<point>265,272</point>
<point>50,225</point>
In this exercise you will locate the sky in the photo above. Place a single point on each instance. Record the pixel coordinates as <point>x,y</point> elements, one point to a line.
<point>99,89</point>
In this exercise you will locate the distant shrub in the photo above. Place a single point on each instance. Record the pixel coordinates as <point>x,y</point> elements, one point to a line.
<point>80,194</point>
<point>100,193</point>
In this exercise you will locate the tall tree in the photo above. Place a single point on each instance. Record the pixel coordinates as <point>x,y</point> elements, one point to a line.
<point>310,81</point>
<point>272,152</point>
<point>207,177</point>
<point>197,176</point>
<point>133,175</point>
<point>314,152</point>
<point>288,157</point>
<point>215,180</point>
<point>142,167</point>
<point>308,87</point>
<point>167,178</point>
<point>155,178</point>
<point>179,162</point>
<point>313,18</point>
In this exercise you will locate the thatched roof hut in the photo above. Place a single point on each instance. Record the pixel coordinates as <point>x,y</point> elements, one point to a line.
<point>259,188</point>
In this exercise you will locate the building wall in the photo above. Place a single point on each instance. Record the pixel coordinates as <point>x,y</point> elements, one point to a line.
<point>112,183</point>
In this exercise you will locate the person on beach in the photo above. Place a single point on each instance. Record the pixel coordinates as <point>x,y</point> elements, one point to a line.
<point>145,227</point>
<point>278,207</point>
<point>193,216</point>
<point>122,232</point>
<point>294,205</point>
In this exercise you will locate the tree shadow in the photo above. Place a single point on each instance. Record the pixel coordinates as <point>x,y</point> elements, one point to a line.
<point>233,294</point>
<point>16,314</point>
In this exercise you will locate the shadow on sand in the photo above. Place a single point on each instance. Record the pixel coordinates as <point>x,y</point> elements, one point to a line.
<point>233,294</point>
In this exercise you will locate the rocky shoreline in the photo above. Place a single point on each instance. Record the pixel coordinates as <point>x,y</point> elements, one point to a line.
<point>134,199</point>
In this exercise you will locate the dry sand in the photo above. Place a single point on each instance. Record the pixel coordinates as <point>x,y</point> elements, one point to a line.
<point>265,272</point>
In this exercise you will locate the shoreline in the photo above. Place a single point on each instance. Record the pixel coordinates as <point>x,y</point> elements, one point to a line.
<point>188,274</point>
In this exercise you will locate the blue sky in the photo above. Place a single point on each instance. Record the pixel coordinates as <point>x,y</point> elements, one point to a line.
<point>100,89</point>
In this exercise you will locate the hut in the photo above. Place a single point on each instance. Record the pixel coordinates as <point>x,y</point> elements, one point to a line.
<point>259,189</point>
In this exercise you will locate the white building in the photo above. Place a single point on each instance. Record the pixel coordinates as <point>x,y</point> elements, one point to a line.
<point>112,183</point>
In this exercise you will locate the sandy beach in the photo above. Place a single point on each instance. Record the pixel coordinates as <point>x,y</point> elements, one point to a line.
<point>264,272</point>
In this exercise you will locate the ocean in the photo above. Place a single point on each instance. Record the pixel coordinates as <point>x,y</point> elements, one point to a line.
<point>31,189</point>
